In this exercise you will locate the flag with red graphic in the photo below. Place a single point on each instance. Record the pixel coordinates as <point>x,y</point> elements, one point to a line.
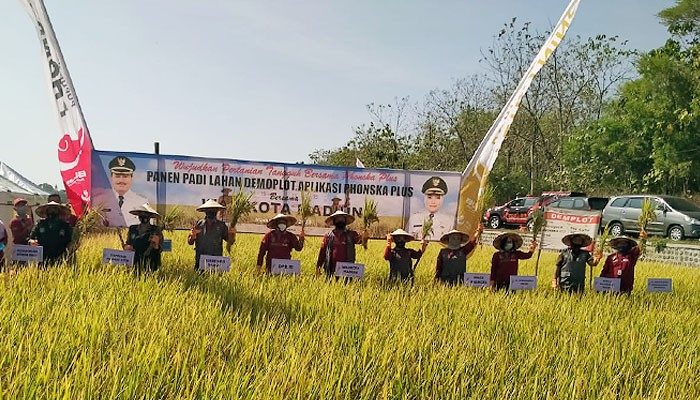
<point>75,145</point>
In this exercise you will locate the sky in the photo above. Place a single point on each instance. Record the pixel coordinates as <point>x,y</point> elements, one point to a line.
<point>256,80</point>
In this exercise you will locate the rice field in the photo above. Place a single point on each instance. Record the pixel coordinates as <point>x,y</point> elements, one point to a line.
<point>97,331</point>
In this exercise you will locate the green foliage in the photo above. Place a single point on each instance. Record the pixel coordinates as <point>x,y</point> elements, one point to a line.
<point>100,332</point>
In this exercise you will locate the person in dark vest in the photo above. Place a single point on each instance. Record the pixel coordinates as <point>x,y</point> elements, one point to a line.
<point>279,241</point>
<point>144,239</point>
<point>401,258</point>
<point>208,234</point>
<point>621,263</point>
<point>338,244</point>
<point>570,271</point>
<point>504,262</point>
<point>52,233</point>
<point>452,260</point>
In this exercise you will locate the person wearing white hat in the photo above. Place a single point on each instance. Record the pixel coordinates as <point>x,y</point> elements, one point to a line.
<point>570,271</point>
<point>621,263</point>
<point>51,232</point>
<point>504,262</point>
<point>401,258</point>
<point>208,234</point>
<point>144,240</point>
<point>452,260</point>
<point>338,244</point>
<point>279,242</point>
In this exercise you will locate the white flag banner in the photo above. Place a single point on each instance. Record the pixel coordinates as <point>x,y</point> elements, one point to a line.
<point>475,175</point>
<point>75,145</point>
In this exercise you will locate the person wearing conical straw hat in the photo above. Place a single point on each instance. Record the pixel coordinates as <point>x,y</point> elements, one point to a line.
<point>51,232</point>
<point>452,260</point>
<point>339,244</point>
<point>401,258</point>
<point>570,271</point>
<point>621,263</point>
<point>144,239</point>
<point>208,234</point>
<point>279,241</point>
<point>504,262</point>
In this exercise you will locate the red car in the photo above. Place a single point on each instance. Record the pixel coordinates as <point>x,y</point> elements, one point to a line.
<point>517,211</point>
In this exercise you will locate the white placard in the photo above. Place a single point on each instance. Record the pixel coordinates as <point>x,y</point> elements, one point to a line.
<point>560,223</point>
<point>477,280</point>
<point>22,252</point>
<point>280,266</point>
<point>117,257</point>
<point>350,270</point>
<point>606,284</point>
<point>518,282</point>
<point>659,285</point>
<point>214,263</point>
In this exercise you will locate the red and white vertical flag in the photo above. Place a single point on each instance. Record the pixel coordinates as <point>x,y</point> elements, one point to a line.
<point>75,145</point>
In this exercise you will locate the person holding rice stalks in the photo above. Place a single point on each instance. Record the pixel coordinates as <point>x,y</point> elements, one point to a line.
<point>144,240</point>
<point>208,234</point>
<point>279,242</point>
<point>400,258</point>
<point>570,271</point>
<point>452,260</point>
<point>621,263</point>
<point>338,245</point>
<point>504,262</point>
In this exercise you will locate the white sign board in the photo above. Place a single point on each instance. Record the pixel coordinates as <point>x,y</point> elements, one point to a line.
<point>518,282</point>
<point>214,263</point>
<point>606,285</point>
<point>281,266</point>
<point>659,285</point>
<point>477,280</point>
<point>21,252</point>
<point>560,223</point>
<point>350,270</point>
<point>117,257</point>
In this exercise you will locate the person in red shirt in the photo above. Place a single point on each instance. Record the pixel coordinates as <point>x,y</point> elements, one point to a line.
<point>338,244</point>
<point>279,242</point>
<point>22,224</point>
<point>3,243</point>
<point>452,261</point>
<point>400,258</point>
<point>621,263</point>
<point>504,262</point>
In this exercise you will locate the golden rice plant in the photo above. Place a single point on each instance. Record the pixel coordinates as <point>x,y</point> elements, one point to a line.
<point>538,222</point>
<point>369,216</point>
<point>305,208</point>
<point>647,216</point>
<point>427,230</point>
<point>485,200</point>
<point>241,205</point>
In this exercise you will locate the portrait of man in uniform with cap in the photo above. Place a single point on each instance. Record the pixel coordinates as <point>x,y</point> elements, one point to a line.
<point>121,177</point>
<point>434,189</point>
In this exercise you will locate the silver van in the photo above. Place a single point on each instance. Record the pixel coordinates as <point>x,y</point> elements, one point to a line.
<point>676,217</point>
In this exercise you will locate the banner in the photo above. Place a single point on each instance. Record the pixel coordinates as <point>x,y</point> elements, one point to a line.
<point>560,223</point>
<point>405,199</point>
<point>476,174</point>
<point>75,145</point>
